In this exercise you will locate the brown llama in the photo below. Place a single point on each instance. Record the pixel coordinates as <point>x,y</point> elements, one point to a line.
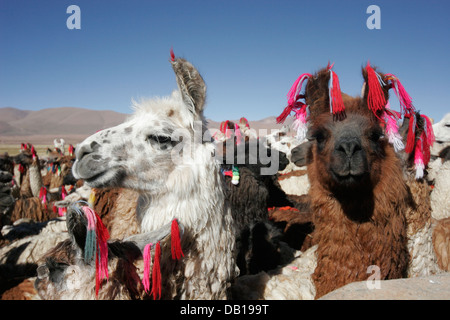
<point>358,195</point>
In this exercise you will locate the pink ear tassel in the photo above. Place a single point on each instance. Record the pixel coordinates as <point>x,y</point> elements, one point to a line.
<point>62,211</point>
<point>293,95</point>
<point>392,129</point>
<point>147,263</point>
<point>43,196</point>
<point>403,96</point>
<point>237,133</point>
<point>300,123</point>
<point>418,159</point>
<point>296,88</point>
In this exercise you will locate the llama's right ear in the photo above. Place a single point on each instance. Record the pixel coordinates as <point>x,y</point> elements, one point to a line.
<point>191,84</point>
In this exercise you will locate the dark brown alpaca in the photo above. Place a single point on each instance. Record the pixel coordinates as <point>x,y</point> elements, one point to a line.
<point>357,193</point>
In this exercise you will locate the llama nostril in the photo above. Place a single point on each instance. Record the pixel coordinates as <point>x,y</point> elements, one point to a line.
<point>86,149</point>
<point>349,147</point>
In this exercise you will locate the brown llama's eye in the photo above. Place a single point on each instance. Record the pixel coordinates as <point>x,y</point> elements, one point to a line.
<point>376,135</point>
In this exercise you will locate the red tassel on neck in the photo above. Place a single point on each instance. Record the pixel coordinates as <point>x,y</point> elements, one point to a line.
<point>156,273</point>
<point>375,98</point>
<point>176,241</point>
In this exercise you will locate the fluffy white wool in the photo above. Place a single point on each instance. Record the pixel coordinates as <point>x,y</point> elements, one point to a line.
<point>288,282</point>
<point>440,196</point>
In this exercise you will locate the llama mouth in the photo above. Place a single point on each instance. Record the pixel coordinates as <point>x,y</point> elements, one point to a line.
<point>349,179</point>
<point>95,177</point>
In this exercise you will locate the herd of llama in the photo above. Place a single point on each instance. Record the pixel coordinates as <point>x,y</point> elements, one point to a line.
<point>160,207</point>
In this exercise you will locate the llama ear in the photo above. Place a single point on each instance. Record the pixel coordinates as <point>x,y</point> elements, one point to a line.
<point>76,226</point>
<point>317,93</point>
<point>190,83</point>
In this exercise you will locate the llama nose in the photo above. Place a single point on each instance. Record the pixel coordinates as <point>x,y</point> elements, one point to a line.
<point>349,147</point>
<point>86,149</point>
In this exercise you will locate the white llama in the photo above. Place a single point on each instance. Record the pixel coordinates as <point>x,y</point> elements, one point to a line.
<point>159,152</point>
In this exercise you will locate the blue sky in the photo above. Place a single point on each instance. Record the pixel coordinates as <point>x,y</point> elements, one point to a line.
<point>249,51</point>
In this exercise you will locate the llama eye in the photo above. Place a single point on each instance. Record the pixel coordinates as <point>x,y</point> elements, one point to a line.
<point>158,139</point>
<point>376,135</point>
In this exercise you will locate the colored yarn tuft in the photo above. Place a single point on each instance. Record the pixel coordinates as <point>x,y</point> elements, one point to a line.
<point>43,196</point>
<point>293,95</point>
<point>300,123</point>
<point>156,273</point>
<point>403,96</point>
<point>375,98</point>
<point>411,137</point>
<point>172,55</point>
<point>62,211</point>
<point>96,246</point>
<point>419,159</point>
<point>392,129</point>
<point>147,263</point>
<point>237,134</point>
<point>335,95</point>
<point>177,252</point>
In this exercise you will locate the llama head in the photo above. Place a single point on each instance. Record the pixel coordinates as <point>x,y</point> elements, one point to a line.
<point>140,153</point>
<point>442,133</point>
<point>346,150</point>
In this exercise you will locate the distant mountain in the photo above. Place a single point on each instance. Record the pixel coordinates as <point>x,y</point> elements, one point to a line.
<point>56,121</point>
<point>73,124</point>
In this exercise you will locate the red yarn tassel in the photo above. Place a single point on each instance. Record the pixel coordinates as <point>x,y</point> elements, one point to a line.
<point>337,105</point>
<point>411,138</point>
<point>101,253</point>
<point>282,117</point>
<point>156,273</point>
<point>172,55</point>
<point>375,98</point>
<point>176,241</point>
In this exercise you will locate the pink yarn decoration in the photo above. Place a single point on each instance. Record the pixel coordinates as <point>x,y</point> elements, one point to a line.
<point>62,211</point>
<point>392,129</point>
<point>147,263</point>
<point>237,132</point>
<point>418,159</point>
<point>293,95</point>
<point>101,247</point>
<point>403,96</point>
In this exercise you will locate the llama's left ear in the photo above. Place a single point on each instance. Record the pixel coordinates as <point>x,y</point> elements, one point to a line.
<point>191,84</point>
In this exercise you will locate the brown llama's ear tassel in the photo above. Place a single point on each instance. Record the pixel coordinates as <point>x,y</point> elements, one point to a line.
<point>177,252</point>
<point>375,97</point>
<point>334,91</point>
